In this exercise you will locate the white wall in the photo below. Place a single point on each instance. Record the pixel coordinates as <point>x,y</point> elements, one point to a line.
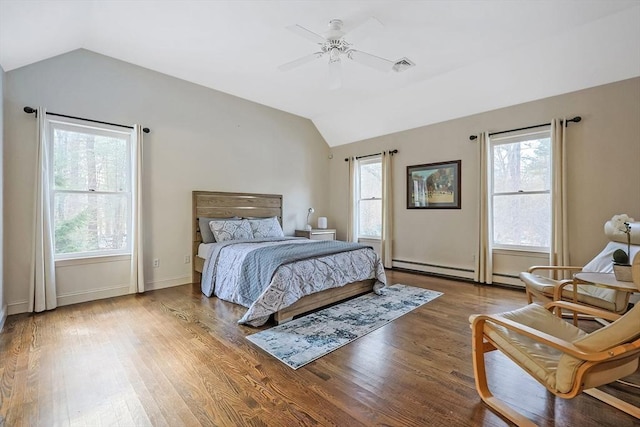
<point>200,139</point>
<point>604,177</point>
<point>3,304</point>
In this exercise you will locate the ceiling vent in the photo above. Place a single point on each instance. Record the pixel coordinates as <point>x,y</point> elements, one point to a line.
<point>403,64</point>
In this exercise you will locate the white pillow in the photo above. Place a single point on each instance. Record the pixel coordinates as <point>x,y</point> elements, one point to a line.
<point>616,235</point>
<point>266,227</point>
<point>231,230</point>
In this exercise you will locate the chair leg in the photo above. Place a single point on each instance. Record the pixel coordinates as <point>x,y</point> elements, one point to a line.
<point>480,374</point>
<point>626,407</point>
<point>529,295</point>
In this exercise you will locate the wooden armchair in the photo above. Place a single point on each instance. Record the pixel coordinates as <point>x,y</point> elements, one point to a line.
<point>560,356</point>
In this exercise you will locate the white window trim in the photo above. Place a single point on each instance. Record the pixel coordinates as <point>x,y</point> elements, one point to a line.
<point>106,130</point>
<point>511,138</point>
<point>373,159</point>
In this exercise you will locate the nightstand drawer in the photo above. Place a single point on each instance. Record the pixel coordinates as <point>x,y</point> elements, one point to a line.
<point>317,234</point>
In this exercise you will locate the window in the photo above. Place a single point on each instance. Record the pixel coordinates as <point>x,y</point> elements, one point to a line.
<point>521,196</point>
<point>370,198</point>
<point>91,190</point>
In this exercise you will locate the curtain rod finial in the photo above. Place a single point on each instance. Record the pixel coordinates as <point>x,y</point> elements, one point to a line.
<point>146,130</point>
<point>29,110</point>
<point>473,137</point>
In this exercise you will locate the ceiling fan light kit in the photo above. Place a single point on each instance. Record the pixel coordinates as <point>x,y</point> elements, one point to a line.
<point>335,47</point>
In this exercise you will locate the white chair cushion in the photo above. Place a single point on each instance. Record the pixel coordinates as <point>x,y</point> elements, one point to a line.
<point>607,299</point>
<point>623,330</point>
<point>539,359</point>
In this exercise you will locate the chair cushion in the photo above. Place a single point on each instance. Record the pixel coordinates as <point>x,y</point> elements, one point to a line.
<point>623,330</point>
<point>607,299</point>
<point>603,262</point>
<point>616,235</point>
<point>539,359</point>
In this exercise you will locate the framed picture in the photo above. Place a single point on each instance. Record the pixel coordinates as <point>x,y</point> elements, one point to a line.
<point>434,186</point>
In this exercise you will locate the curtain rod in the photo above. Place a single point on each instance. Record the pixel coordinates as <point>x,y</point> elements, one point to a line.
<point>30,110</point>
<point>392,152</point>
<point>576,119</point>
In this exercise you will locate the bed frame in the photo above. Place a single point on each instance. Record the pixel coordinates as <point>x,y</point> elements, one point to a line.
<point>221,205</point>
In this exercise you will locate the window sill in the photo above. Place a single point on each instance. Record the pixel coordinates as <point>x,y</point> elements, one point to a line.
<point>369,239</point>
<point>92,260</point>
<point>520,252</point>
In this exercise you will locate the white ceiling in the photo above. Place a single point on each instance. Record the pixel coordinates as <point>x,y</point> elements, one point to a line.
<point>471,56</point>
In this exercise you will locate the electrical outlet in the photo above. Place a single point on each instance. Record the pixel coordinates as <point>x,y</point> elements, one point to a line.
<point>156,263</point>
<point>187,259</point>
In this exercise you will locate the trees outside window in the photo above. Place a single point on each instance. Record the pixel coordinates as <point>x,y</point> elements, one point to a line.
<point>91,190</point>
<point>521,191</point>
<point>370,198</point>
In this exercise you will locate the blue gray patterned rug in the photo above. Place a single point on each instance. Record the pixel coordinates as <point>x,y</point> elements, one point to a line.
<point>307,338</point>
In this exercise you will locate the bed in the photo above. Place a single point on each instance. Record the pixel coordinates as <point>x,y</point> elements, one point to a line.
<point>209,204</point>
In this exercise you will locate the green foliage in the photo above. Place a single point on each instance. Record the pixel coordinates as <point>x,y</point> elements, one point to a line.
<point>65,230</point>
<point>620,257</point>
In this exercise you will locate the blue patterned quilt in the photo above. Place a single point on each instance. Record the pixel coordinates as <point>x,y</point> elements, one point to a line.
<point>266,275</point>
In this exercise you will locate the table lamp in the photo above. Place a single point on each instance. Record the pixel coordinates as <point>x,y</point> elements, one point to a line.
<point>308,226</point>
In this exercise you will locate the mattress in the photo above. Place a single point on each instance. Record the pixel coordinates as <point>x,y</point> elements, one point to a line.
<point>205,249</point>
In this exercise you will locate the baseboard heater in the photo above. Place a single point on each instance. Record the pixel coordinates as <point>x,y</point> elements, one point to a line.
<point>440,270</point>
<point>457,273</point>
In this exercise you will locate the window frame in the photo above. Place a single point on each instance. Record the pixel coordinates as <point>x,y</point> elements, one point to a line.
<point>78,125</point>
<point>359,199</point>
<point>519,137</point>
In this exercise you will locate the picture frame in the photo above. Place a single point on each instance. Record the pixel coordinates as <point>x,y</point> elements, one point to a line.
<point>434,185</point>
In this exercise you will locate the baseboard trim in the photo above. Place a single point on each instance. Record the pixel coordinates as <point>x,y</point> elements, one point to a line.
<point>167,283</point>
<point>92,295</point>
<point>97,294</point>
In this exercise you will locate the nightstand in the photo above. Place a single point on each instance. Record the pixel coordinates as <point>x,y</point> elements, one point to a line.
<point>317,234</point>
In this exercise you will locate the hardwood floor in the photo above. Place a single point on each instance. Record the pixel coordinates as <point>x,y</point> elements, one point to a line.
<point>174,357</point>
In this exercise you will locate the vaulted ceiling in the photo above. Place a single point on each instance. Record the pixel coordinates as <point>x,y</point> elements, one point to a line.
<point>470,56</point>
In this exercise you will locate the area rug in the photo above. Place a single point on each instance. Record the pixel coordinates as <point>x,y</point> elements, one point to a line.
<point>308,338</point>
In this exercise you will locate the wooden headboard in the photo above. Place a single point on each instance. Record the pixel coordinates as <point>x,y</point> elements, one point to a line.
<point>218,204</point>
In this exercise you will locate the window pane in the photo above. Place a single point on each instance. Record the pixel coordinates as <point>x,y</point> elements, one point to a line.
<point>371,180</point>
<point>370,218</point>
<point>522,220</point>
<point>84,161</point>
<point>522,166</point>
<point>90,222</point>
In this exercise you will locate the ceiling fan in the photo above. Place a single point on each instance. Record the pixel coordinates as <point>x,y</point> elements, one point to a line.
<point>333,45</point>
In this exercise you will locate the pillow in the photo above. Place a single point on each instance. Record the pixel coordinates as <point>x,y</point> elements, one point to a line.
<point>615,235</point>
<point>205,231</point>
<point>266,227</point>
<point>231,230</point>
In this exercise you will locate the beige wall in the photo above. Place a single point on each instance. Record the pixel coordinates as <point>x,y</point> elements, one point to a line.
<point>200,139</point>
<point>604,176</point>
<point>3,304</point>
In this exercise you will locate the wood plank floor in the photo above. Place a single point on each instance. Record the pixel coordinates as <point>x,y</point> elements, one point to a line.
<point>174,357</point>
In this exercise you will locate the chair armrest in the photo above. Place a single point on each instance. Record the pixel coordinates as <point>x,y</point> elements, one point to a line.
<point>549,340</point>
<point>554,268</point>
<point>559,287</point>
<point>583,309</point>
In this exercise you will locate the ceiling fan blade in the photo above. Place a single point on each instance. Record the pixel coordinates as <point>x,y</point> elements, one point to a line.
<point>363,30</point>
<point>335,74</point>
<point>300,61</point>
<point>369,60</point>
<point>307,34</point>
